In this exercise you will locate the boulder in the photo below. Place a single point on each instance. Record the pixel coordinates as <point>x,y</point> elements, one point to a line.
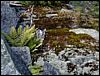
<point>18,61</point>
<point>93,33</point>
<point>50,69</point>
<point>24,53</point>
<point>7,65</point>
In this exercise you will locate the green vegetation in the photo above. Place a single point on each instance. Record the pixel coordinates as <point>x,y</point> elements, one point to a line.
<point>85,14</point>
<point>76,38</point>
<point>89,17</point>
<point>36,69</point>
<point>91,6</point>
<point>34,43</point>
<point>42,3</point>
<point>25,37</point>
<point>57,31</point>
<point>26,3</point>
<point>61,38</point>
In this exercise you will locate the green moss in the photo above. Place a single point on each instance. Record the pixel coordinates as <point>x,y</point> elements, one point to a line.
<point>56,32</point>
<point>85,36</point>
<point>55,43</point>
<point>36,69</point>
<point>25,37</point>
<point>60,38</point>
<point>74,39</point>
<point>57,50</point>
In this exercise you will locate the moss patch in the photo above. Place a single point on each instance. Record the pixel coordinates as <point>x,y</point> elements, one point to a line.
<point>57,32</point>
<point>60,38</point>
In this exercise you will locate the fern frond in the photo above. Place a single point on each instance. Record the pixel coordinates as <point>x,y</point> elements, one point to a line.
<point>32,46</point>
<point>34,50</point>
<point>38,45</point>
<point>13,33</point>
<point>8,38</point>
<point>32,29</point>
<point>27,37</point>
<point>26,28</point>
<point>19,32</point>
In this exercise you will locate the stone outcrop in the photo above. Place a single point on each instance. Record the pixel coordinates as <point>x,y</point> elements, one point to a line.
<point>93,33</point>
<point>23,53</point>
<point>15,58</point>
<point>8,16</point>
<point>18,56</point>
<point>7,65</point>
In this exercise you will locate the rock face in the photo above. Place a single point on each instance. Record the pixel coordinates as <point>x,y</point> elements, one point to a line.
<point>8,16</point>
<point>7,65</point>
<point>21,65</point>
<point>24,53</point>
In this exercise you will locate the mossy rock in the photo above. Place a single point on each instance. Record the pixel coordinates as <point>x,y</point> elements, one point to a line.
<point>75,39</point>
<point>60,38</point>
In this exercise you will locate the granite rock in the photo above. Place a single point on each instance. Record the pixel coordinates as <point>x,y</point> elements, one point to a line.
<point>50,69</point>
<point>93,33</point>
<point>7,65</point>
<point>20,65</point>
<point>24,53</point>
<point>8,17</point>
